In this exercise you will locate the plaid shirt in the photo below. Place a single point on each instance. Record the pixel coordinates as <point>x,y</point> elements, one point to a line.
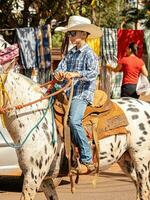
<point>85,62</point>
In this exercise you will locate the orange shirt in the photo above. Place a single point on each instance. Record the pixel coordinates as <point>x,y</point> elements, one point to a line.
<point>131,68</point>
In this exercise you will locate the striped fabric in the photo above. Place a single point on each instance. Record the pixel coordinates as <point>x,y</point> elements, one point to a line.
<point>111,82</point>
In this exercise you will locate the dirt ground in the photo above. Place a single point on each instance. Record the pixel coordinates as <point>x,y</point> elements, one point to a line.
<point>111,184</point>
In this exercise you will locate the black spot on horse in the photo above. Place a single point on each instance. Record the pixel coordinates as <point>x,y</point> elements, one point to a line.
<point>138,143</point>
<point>141,127</point>
<point>147,114</point>
<point>21,125</point>
<point>119,144</point>
<point>112,155</point>
<point>115,138</point>
<point>121,102</point>
<point>33,137</point>
<point>142,139</point>
<point>46,121</point>
<point>37,163</point>
<point>135,117</point>
<point>133,109</point>
<point>103,157</point>
<point>140,102</point>
<point>126,98</point>
<point>44,126</point>
<point>47,135</point>
<point>103,153</point>
<point>45,149</point>
<point>41,162</point>
<point>145,167</point>
<point>131,105</point>
<point>32,160</point>
<point>139,175</point>
<point>32,174</point>
<point>145,132</point>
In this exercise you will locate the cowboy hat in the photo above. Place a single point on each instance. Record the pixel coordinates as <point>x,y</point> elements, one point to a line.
<point>79,23</point>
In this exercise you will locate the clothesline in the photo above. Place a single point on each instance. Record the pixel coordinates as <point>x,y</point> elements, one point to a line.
<point>7,29</point>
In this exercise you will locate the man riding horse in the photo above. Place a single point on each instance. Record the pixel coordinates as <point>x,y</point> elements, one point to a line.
<point>81,64</point>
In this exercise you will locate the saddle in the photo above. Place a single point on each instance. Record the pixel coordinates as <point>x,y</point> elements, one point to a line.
<point>108,116</point>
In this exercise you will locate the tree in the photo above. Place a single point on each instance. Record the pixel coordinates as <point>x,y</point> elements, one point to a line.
<point>136,14</point>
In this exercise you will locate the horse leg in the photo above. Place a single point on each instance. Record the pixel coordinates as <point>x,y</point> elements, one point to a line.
<point>31,185</point>
<point>142,167</point>
<point>49,189</point>
<point>138,171</point>
<point>127,166</point>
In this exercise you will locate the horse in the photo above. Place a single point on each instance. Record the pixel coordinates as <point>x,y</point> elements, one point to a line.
<point>42,151</point>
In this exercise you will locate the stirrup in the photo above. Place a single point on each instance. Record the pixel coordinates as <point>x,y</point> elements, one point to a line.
<point>84,168</point>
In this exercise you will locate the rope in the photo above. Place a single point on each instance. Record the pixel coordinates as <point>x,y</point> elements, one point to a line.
<point>17,146</point>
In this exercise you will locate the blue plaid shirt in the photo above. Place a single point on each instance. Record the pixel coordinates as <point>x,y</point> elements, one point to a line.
<point>85,62</point>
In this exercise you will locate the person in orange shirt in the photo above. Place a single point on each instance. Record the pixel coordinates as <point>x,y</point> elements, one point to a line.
<point>131,66</point>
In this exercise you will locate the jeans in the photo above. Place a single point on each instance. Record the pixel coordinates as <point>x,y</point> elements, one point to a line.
<point>79,137</point>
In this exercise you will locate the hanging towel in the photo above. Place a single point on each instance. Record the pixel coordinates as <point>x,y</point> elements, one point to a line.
<point>127,36</point>
<point>43,46</point>
<point>109,56</point>
<point>27,46</point>
<point>147,41</point>
<point>43,49</point>
<point>94,43</point>
<point>109,46</point>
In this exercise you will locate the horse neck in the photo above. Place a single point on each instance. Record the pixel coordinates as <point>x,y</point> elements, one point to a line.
<point>21,91</point>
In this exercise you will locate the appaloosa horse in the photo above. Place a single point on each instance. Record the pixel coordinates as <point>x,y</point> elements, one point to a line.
<point>42,151</point>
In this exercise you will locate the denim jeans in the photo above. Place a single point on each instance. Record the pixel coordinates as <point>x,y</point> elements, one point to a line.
<point>79,137</point>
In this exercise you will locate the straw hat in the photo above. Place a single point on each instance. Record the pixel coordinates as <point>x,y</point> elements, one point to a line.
<point>79,23</point>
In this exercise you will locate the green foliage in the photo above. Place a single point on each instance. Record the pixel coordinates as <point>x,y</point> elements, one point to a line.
<point>57,39</point>
<point>108,13</point>
<point>133,15</point>
<point>103,13</point>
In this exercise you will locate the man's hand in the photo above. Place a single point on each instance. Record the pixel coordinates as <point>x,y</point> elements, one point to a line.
<point>70,75</point>
<point>59,76</point>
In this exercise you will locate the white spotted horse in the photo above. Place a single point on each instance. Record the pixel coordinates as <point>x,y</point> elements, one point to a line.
<point>38,151</point>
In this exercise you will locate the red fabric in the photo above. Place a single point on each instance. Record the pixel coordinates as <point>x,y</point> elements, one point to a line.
<point>127,36</point>
<point>131,68</point>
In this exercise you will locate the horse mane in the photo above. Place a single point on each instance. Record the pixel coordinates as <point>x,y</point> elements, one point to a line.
<point>29,83</point>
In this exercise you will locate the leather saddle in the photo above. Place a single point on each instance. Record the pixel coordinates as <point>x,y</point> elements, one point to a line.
<point>110,118</point>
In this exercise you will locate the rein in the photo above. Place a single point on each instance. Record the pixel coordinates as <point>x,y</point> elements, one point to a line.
<point>19,145</point>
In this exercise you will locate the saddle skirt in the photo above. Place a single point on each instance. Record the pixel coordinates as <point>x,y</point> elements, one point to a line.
<point>110,118</point>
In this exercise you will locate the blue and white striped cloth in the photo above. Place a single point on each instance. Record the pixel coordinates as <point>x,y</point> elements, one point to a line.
<point>113,81</point>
